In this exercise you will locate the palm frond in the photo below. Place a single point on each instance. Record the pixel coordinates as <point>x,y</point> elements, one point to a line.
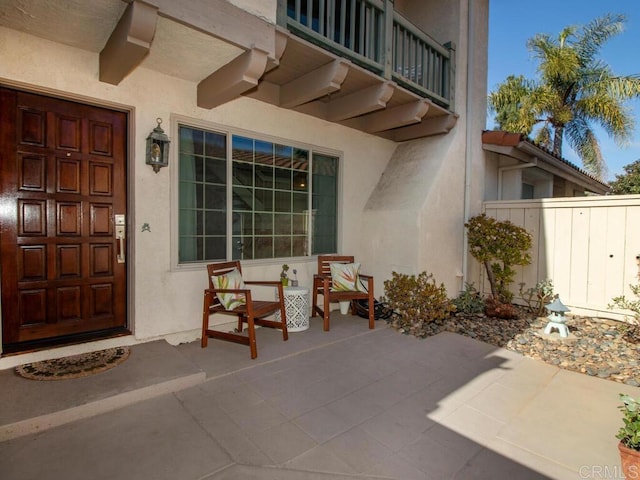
<point>596,33</point>
<point>582,139</point>
<point>543,136</point>
<point>574,91</point>
<point>623,88</point>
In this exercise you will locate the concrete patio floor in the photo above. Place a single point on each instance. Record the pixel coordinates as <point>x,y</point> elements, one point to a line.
<point>345,404</point>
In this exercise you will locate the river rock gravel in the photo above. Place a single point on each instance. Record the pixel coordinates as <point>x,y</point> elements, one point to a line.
<point>597,347</point>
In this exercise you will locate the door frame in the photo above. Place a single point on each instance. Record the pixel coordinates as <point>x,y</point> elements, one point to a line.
<point>129,111</point>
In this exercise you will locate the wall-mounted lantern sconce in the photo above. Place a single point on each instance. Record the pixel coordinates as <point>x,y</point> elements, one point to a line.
<point>158,148</point>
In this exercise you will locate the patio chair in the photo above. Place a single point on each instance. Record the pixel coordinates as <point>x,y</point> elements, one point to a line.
<point>228,294</point>
<point>333,290</point>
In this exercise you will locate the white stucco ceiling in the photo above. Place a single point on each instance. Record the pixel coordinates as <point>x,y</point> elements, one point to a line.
<point>176,50</point>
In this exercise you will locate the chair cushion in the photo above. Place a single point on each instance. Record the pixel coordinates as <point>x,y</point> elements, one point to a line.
<point>232,280</point>
<point>344,277</point>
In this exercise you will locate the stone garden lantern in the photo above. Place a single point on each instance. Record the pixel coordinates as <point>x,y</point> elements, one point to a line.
<point>556,318</point>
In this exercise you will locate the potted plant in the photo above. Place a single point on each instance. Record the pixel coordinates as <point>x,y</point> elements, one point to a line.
<point>283,275</point>
<point>629,436</point>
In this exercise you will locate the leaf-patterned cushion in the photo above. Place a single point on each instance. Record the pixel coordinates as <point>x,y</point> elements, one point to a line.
<point>344,277</point>
<point>233,281</point>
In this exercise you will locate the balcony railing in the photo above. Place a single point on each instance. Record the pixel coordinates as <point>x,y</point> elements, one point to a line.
<point>371,34</point>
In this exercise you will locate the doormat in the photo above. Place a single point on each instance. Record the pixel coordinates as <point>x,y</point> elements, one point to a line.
<point>74,366</point>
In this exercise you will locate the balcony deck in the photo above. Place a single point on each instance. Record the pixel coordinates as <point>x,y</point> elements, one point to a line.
<point>380,74</point>
<point>389,78</point>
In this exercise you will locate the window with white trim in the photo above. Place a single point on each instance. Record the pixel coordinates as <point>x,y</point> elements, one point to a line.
<point>242,197</point>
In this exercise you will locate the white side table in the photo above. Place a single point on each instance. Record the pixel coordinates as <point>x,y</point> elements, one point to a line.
<point>297,308</point>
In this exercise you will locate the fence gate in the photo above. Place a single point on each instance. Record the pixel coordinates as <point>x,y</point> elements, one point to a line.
<point>588,246</point>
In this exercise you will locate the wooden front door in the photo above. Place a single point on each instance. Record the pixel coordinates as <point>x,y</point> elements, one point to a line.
<point>62,188</point>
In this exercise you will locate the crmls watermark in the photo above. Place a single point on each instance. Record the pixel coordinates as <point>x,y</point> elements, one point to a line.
<point>608,472</point>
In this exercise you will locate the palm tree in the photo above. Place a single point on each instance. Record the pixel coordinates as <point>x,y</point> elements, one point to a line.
<point>575,91</point>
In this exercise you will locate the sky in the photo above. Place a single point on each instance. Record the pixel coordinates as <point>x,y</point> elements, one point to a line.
<point>513,22</point>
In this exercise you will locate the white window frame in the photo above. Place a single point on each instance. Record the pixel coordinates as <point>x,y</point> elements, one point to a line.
<point>181,120</point>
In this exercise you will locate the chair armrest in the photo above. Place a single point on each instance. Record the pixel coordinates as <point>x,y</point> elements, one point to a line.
<point>362,275</point>
<point>259,282</point>
<point>321,281</point>
<point>242,291</point>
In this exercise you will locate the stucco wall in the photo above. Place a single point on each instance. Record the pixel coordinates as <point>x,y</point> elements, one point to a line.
<point>416,215</point>
<point>402,211</point>
<point>166,300</point>
<point>265,9</point>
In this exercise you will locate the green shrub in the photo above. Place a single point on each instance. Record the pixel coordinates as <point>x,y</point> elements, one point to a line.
<point>469,301</point>
<point>631,330</point>
<point>538,297</point>
<point>627,304</point>
<point>416,301</point>
<point>629,433</point>
<point>499,246</point>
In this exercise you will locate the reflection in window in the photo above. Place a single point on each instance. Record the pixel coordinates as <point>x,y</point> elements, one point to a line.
<point>283,198</point>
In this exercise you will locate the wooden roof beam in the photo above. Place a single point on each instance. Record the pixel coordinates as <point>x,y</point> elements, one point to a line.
<point>233,79</point>
<point>315,84</point>
<point>389,118</point>
<point>129,42</point>
<point>359,103</point>
<point>280,45</point>
<point>427,128</point>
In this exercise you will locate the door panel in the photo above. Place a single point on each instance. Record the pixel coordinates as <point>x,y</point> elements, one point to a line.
<point>62,180</point>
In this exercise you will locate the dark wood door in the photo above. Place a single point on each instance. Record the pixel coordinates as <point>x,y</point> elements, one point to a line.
<point>62,184</point>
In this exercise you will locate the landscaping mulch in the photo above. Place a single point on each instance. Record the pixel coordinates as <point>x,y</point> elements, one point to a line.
<point>596,347</point>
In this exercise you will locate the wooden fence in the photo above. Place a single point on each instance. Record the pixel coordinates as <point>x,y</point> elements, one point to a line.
<point>588,246</point>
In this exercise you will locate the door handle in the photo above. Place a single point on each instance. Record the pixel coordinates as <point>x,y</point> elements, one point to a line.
<point>120,237</point>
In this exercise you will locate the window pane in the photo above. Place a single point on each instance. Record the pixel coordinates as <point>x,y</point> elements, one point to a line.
<point>299,224</point>
<point>242,248</point>
<point>282,224</point>
<point>191,140</point>
<point>264,200</point>
<point>215,248</point>
<point>215,223</point>
<point>283,156</point>
<point>264,176</point>
<point>243,174</point>
<point>300,202</point>
<point>325,193</point>
<point>301,181</point>
<point>189,223</point>
<point>242,149</point>
<point>215,145</point>
<point>215,171</point>
<point>203,178</point>
<point>282,179</point>
<point>282,246</point>
<point>263,247</point>
<point>299,246</point>
<point>188,166</point>
<point>215,197</point>
<point>263,152</point>
<point>242,198</point>
<point>190,249</point>
<point>270,191</point>
<point>243,224</point>
<point>283,202</point>
<point>300,159</point>
<point>263,224</point>
<point>188,194</point>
